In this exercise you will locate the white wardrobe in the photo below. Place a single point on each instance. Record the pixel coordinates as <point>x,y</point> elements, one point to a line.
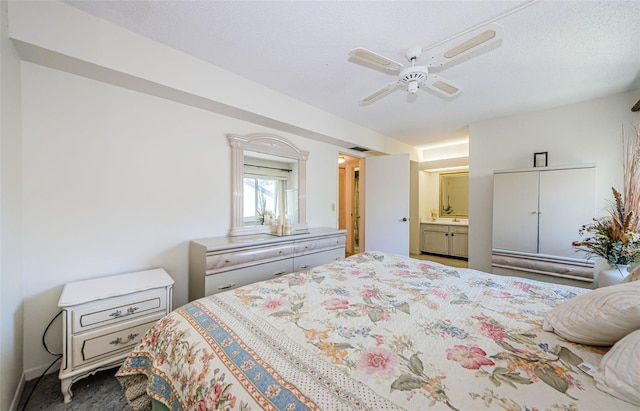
<point>537,214</point>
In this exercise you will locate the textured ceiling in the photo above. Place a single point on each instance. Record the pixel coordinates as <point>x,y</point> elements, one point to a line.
<point>552,53</point>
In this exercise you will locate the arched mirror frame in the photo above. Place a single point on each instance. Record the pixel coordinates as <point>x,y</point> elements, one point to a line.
<point>267,144</point>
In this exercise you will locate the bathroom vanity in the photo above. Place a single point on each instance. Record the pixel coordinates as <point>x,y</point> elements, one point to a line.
<point>445,238</point>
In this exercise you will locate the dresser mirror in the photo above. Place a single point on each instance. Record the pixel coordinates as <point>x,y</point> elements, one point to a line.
<point>454,195</point>
<point>268,181</point>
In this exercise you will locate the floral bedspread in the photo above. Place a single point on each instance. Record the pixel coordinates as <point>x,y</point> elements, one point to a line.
<point>373,332</point>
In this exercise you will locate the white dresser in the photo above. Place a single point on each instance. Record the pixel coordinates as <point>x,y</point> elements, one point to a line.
<point>224,263</point>
<point>104,318</point>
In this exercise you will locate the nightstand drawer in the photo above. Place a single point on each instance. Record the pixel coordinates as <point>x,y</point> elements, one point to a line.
<point>115,310</point>
<point>108,342</point>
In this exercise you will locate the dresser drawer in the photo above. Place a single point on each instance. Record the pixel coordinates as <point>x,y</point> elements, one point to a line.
<point>107,342</point>
<point>216,283</point>
<point>319,244</point>
<point>114,310</point>
<point>309,261</point>
<point>231,260</point>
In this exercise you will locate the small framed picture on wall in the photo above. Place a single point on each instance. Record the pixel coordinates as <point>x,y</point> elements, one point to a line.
<point>540,159</point>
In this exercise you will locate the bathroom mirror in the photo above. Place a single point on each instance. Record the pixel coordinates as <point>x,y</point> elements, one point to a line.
<point>454,195</point>
<point>268,180</point>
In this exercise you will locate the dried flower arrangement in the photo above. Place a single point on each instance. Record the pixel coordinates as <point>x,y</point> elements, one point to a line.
<point>616,237</point>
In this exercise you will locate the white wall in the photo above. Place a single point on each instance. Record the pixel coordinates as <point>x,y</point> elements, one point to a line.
<point>11,317</point>
<point>429,194</point>
<point>118,181</point>
<point>586,132</point>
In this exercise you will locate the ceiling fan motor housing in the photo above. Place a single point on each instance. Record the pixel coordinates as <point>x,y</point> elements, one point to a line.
<point>413,77</point>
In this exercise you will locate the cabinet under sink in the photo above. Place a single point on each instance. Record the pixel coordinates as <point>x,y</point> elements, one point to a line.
<point>445,239</point>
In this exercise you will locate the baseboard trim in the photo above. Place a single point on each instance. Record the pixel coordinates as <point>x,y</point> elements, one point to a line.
<point>36,372</point>
<point>18,394</point>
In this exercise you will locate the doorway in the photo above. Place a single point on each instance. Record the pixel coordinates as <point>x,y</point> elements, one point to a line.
<point>349,201</point>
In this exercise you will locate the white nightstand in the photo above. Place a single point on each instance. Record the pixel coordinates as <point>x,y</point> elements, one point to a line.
<point>104,318</point>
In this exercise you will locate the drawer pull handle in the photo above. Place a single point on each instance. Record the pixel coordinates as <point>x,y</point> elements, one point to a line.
<point>279,273</point>
<point>119,340</point>
<point>280,252</point>
<point>224,287</point>
<point>227,261</point>
<point>118,313</point>
<point>305,266</point>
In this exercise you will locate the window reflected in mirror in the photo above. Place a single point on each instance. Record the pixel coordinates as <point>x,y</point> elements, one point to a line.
<point>270,189</point>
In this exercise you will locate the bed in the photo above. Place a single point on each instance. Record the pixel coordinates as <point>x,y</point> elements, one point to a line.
<point>374,331</point>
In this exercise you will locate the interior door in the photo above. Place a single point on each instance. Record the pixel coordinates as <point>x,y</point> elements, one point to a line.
<point>343,222</point>
<point>386,212</point>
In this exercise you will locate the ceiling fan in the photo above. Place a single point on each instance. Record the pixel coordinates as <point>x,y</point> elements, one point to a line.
<point>416,77</point>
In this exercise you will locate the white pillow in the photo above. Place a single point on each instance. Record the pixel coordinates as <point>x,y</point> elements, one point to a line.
<point>619,371</point>
<point>634,274</point>
<point>600,317</point>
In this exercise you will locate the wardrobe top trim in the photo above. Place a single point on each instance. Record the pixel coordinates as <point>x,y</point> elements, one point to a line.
<point>548,168</point>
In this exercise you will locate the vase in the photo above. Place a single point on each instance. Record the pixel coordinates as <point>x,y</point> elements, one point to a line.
<point>612,275</point>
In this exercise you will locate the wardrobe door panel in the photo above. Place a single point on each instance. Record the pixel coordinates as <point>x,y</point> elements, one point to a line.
<point>515,211</point>
<point>567,201</point>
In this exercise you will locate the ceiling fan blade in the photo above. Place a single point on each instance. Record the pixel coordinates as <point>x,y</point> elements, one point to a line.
<point>442,87</point>
<point>477,41</point>
<point>380,93</point>
<point>376,59</point>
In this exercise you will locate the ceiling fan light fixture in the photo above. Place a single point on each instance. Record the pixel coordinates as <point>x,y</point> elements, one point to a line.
<point>412,87</point>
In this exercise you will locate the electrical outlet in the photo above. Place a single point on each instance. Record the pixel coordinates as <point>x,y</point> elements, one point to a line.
<point>333,206</point>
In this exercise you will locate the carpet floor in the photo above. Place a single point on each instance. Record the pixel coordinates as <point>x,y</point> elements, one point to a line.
<point>97,392</point>
<point>451,262</point>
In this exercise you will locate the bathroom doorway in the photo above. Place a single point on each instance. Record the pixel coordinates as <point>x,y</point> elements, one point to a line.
<point>349,201</point>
